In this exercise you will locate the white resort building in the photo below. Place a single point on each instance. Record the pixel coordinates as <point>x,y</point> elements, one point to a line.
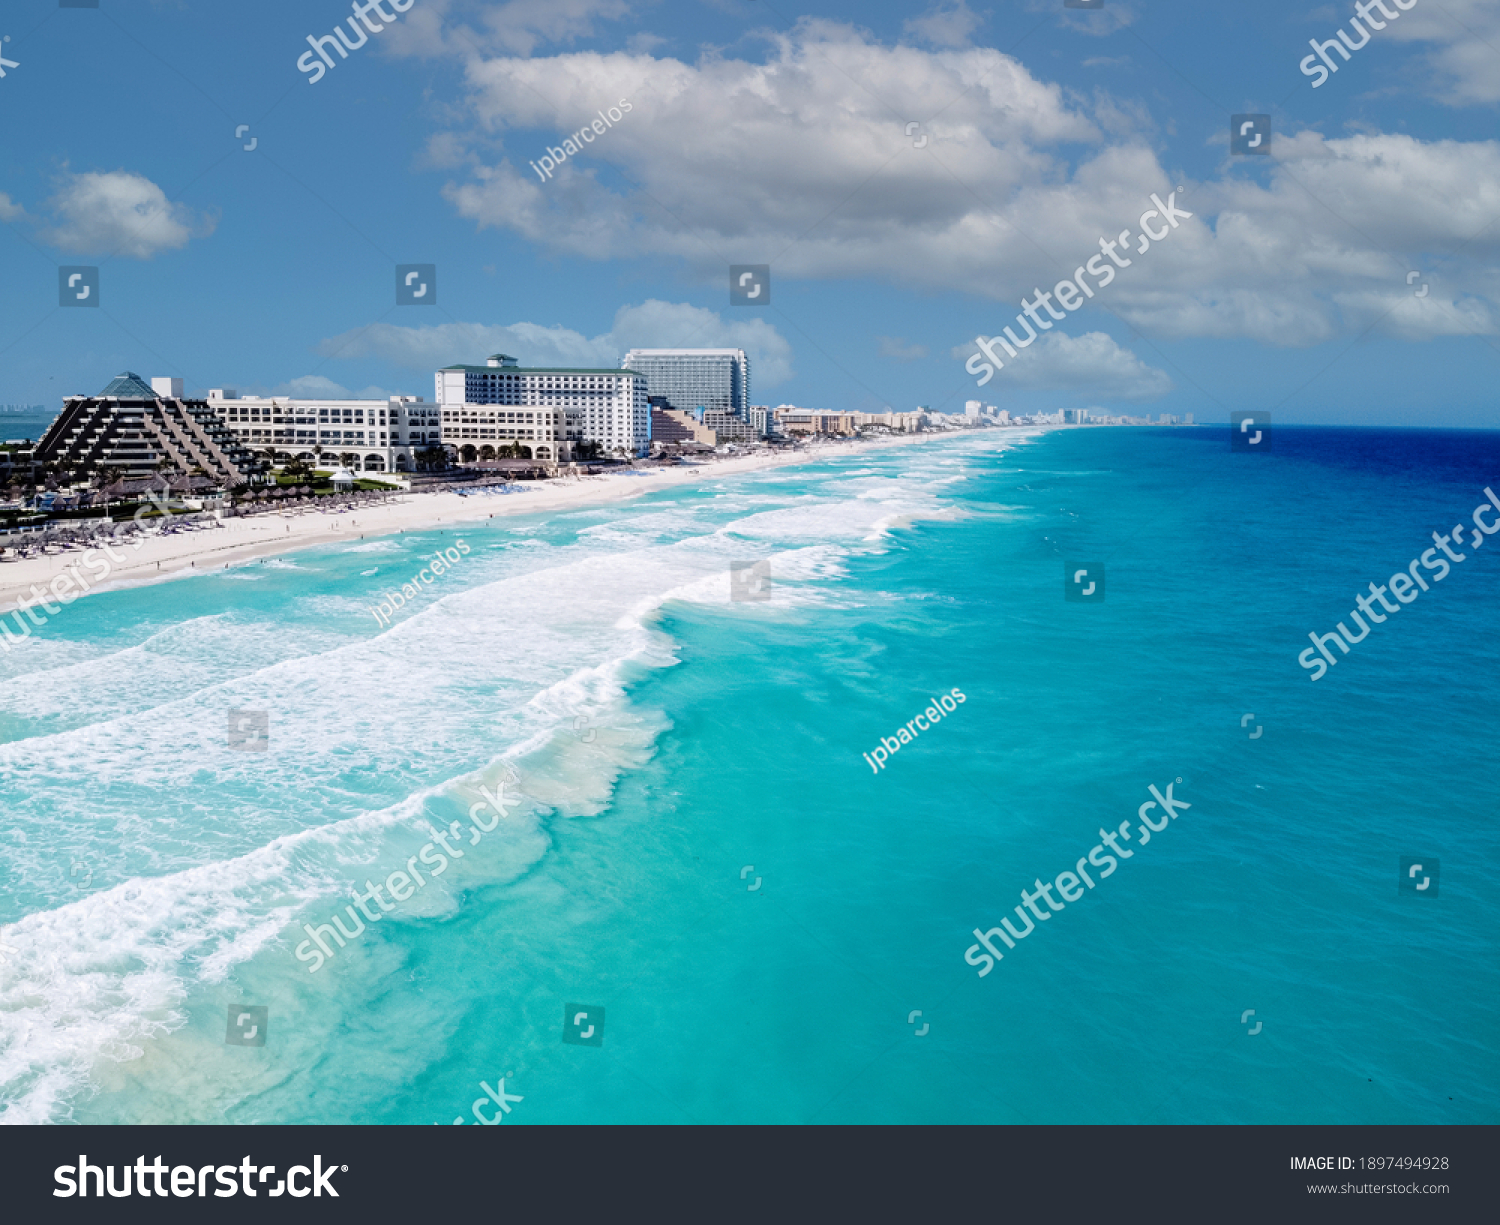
<point>544,411</point>
<point>374,435</point>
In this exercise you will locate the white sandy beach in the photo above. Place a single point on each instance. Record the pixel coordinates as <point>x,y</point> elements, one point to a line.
<point>237,541</point>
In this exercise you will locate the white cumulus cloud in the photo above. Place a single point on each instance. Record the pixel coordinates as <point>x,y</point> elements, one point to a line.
<point>518,27</point>
<point>803,161</point>
<point>791,134</point>
<point>944,25</point>
<point>1462,62</point>
<point>1091,363</point>
<point>652,324</point>
<point>120,213</point>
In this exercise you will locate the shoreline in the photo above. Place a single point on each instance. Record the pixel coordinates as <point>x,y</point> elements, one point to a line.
<point>160,559</point>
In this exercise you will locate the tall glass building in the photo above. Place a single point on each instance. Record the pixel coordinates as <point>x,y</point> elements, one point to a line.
<point>715,379</point>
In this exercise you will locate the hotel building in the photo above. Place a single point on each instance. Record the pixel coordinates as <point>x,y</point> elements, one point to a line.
<point>546,410</point>
<point>381,435</point>
<point>717,380</point>
<point>727,426</point>
<point>795,421</point>
<point>800,421</point>
<point>135,429</point>
<point>670,425</point>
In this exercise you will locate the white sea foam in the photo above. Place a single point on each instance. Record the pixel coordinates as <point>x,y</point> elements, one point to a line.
<point>386,544</point>
<point>200,855</point>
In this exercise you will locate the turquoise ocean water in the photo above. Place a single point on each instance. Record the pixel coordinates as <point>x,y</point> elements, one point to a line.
<point>25,424</point>
<point>699,857</point>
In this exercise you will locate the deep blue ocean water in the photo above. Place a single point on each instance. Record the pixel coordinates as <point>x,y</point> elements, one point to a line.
<point>671,747</point>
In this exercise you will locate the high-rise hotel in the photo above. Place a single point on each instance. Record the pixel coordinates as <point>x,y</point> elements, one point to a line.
<point>717,380</point>
<point>545,409</point>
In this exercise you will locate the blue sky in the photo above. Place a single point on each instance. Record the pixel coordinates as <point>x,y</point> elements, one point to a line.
<point>762,134</point>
